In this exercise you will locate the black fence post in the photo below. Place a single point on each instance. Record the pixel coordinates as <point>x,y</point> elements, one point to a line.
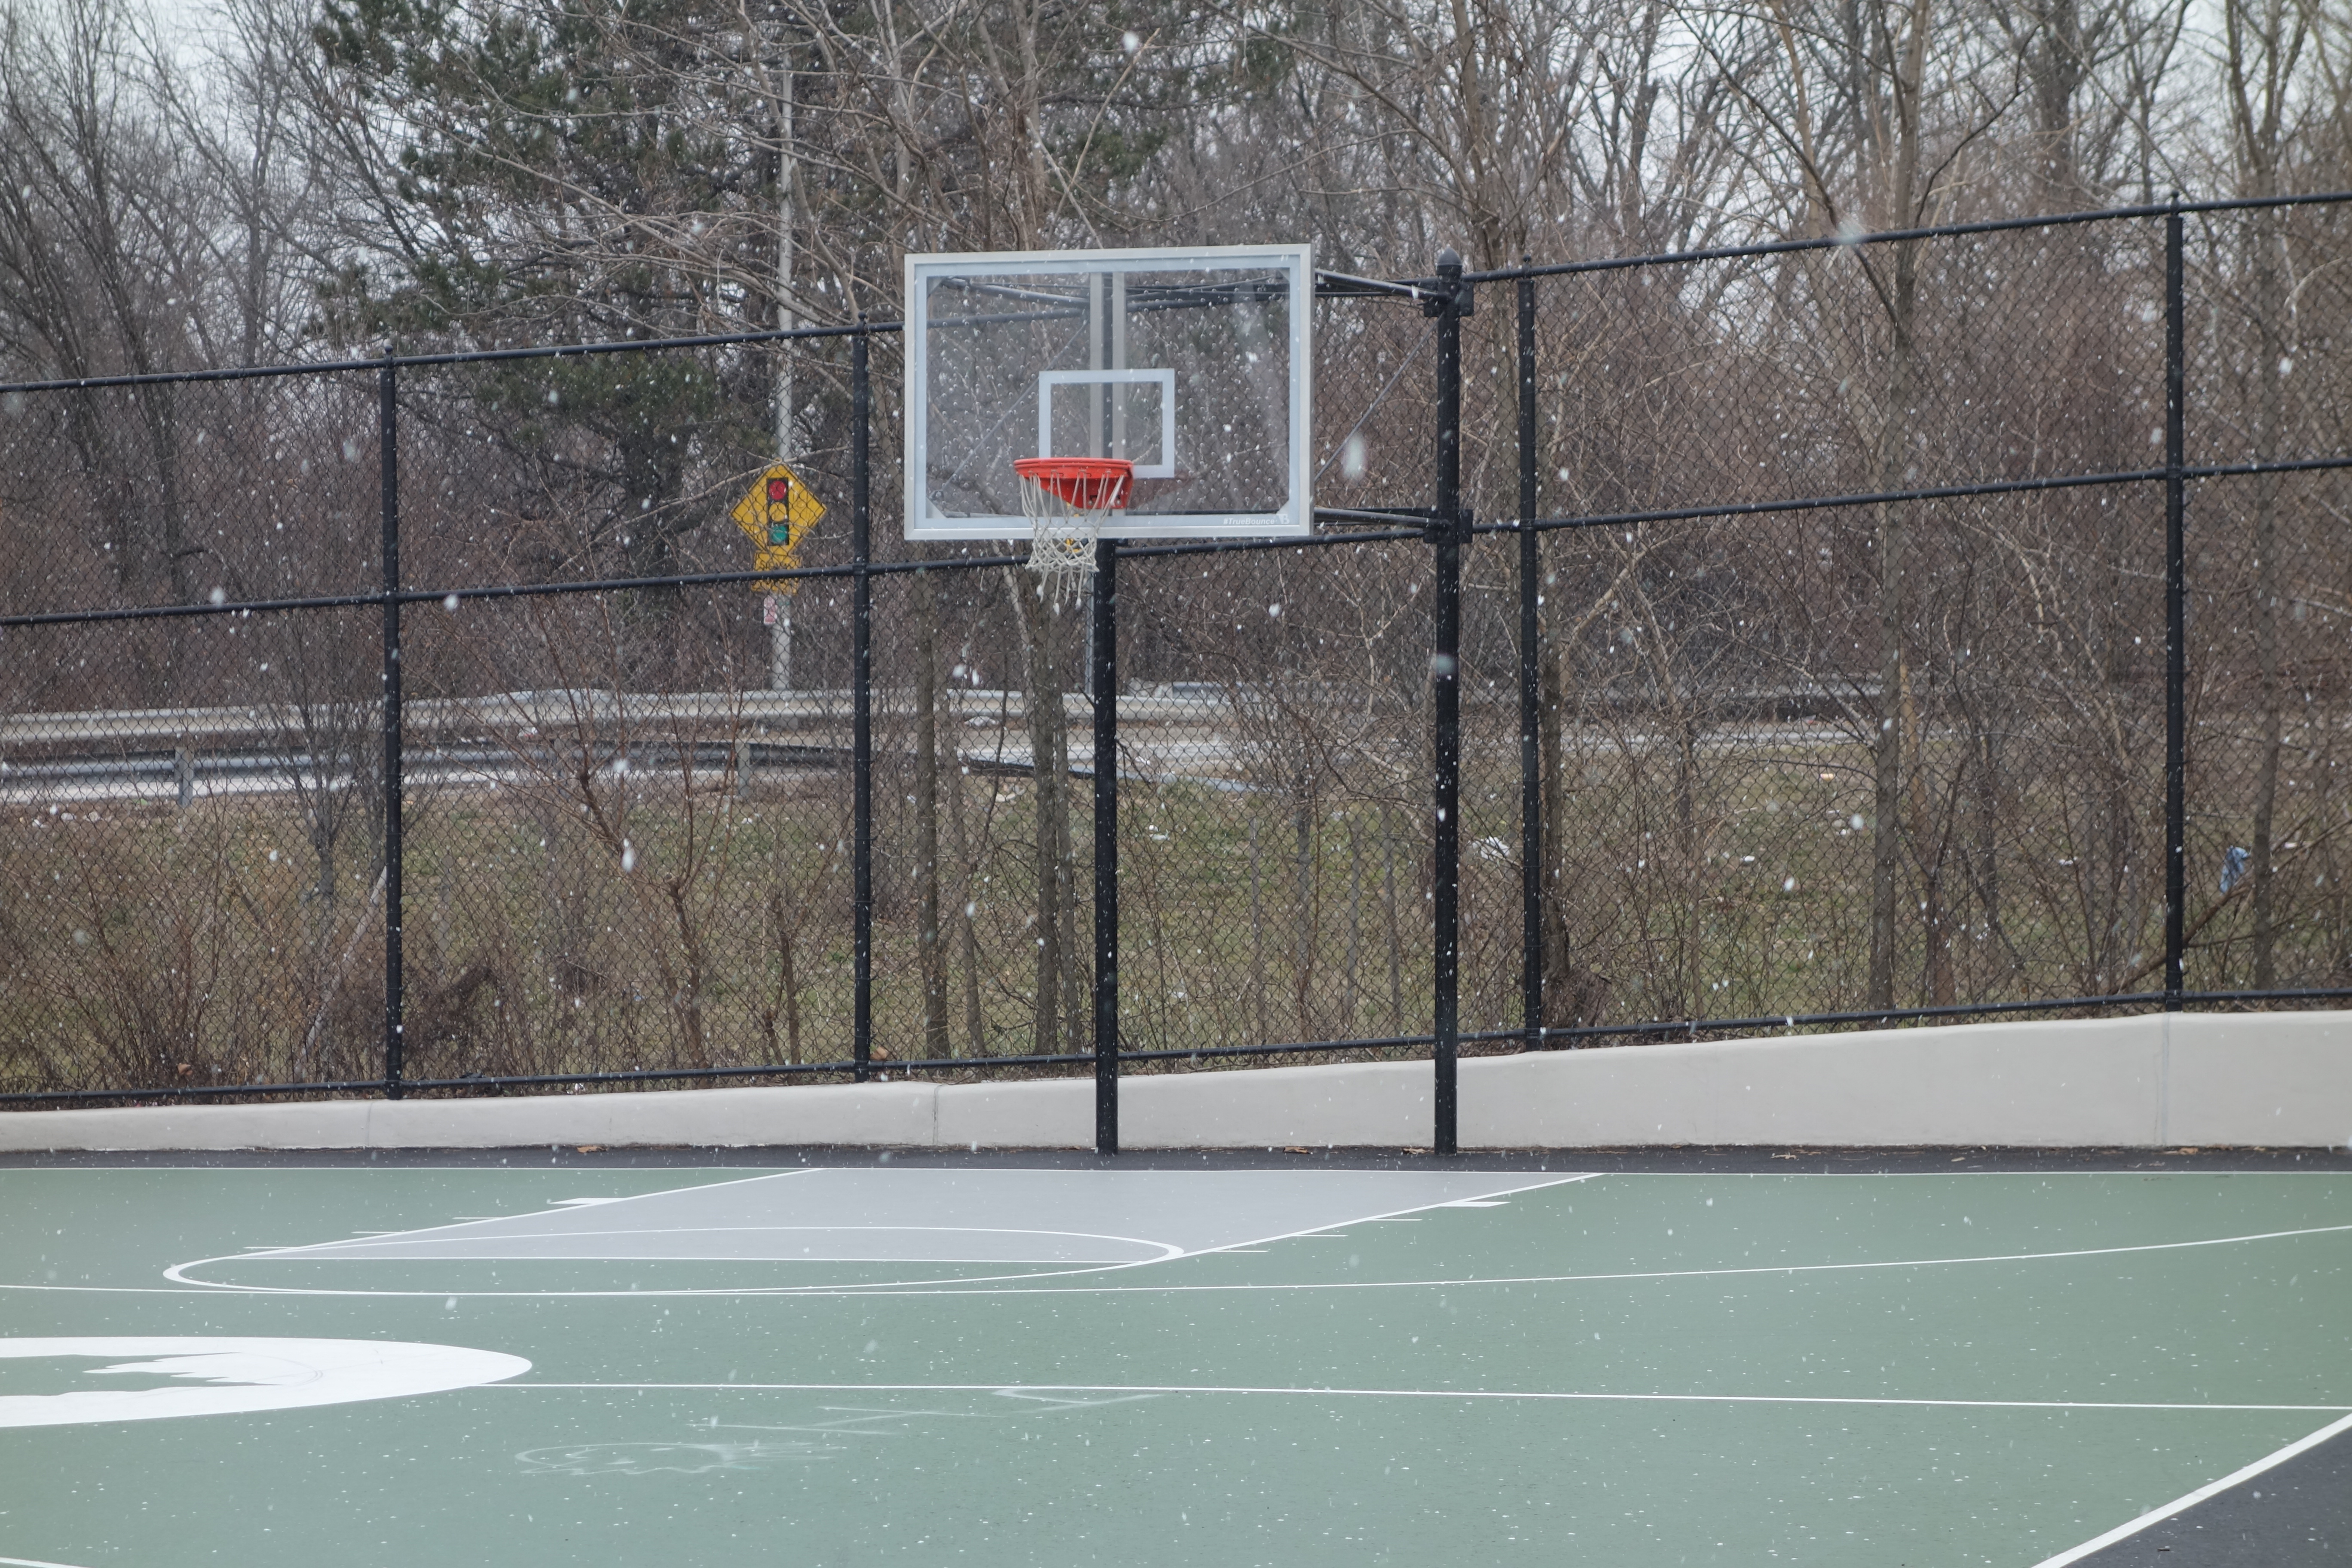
<point>1531,759</point>
<point>2176,612</point>
<point>1446,532</point>
<point>388,479</point>
<point>1105,678</point>
<point>861,680</point>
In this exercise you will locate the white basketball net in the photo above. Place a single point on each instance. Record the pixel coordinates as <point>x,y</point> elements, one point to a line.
<point>1065,524</point>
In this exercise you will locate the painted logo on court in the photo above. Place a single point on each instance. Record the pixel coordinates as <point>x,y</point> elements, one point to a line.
<point>668,1458</point>
<point>121,1378</point>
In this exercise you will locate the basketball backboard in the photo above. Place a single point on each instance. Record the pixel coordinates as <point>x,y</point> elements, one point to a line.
<point>1193,365</point>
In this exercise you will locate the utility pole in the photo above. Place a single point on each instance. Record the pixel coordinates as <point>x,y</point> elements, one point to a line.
<point>778,607</point>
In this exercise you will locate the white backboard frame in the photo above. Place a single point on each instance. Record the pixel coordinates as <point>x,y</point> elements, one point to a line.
<point>1296,262</point>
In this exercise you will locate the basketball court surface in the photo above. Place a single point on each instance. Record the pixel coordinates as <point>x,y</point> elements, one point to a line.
<point>1934,1362</point>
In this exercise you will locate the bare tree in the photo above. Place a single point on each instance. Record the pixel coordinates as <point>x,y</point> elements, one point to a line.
<point>90,225</point>
<point>2264,50</point>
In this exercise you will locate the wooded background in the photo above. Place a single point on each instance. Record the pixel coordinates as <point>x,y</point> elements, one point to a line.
<point>1851,758</point>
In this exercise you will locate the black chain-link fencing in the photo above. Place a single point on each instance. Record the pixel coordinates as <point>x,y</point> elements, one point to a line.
<point>418,725</point>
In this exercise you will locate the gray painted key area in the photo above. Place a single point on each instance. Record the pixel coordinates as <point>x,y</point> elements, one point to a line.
<point>929,1217</point>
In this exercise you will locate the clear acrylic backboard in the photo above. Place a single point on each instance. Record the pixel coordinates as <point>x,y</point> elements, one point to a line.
<point>1193,365</point>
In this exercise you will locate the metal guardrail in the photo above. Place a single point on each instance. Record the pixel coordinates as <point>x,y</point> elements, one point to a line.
<point>166,728</point>
<point>175,749</point>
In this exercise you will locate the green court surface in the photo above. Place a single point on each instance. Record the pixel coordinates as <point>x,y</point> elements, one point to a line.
<point>977,1365</point>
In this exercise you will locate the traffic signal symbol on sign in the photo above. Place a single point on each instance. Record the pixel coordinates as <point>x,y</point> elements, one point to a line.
<point>774,514</point>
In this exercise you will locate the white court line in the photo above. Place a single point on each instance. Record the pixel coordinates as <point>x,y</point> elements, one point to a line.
<point>965,1287</point>
<point>33,1562</point>
<point>956,1288</point>
<point>1483,1199</point>
<point>178,1273</point>
<point>325,1251</point>
<point>503,1169</point>
<point>332,1252</point>
<point>2182,1504</point>
<point>1568,1397</point>
<point>1605,1279</point>
<point>639,1258</point>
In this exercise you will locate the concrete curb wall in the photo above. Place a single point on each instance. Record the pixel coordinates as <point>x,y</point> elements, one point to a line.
<point>2279,1079</point>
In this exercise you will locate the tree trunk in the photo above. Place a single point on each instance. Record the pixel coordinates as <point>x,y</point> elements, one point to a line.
<point>1077,988</point>
<point>1049,770</point>
<point>1930,847</point>
<point>1574,997</point>
<point>685,994</point>
<point>1551,793</point>
<point>1302,828</point>
<point>967,939</point>
<point>1887,826</point>
<point>2264,44</point>
<point>2269,416</point>
<point>929,960</point>
<point>1388,900</point>
<point>1985,757</point>
<point>1257,936</point>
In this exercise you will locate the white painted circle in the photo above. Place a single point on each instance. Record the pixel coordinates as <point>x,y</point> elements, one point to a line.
<point>225,1376</point>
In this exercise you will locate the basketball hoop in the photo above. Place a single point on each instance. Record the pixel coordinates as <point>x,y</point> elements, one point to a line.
<point>1067,501</point>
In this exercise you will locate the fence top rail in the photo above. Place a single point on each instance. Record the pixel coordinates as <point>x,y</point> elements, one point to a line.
<point>1896,236</point>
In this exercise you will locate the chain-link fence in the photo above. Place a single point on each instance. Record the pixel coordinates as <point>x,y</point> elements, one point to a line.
<point>417,724</point>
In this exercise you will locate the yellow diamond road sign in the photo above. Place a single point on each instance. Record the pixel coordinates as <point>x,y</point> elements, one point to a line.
<point>773,514</point>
